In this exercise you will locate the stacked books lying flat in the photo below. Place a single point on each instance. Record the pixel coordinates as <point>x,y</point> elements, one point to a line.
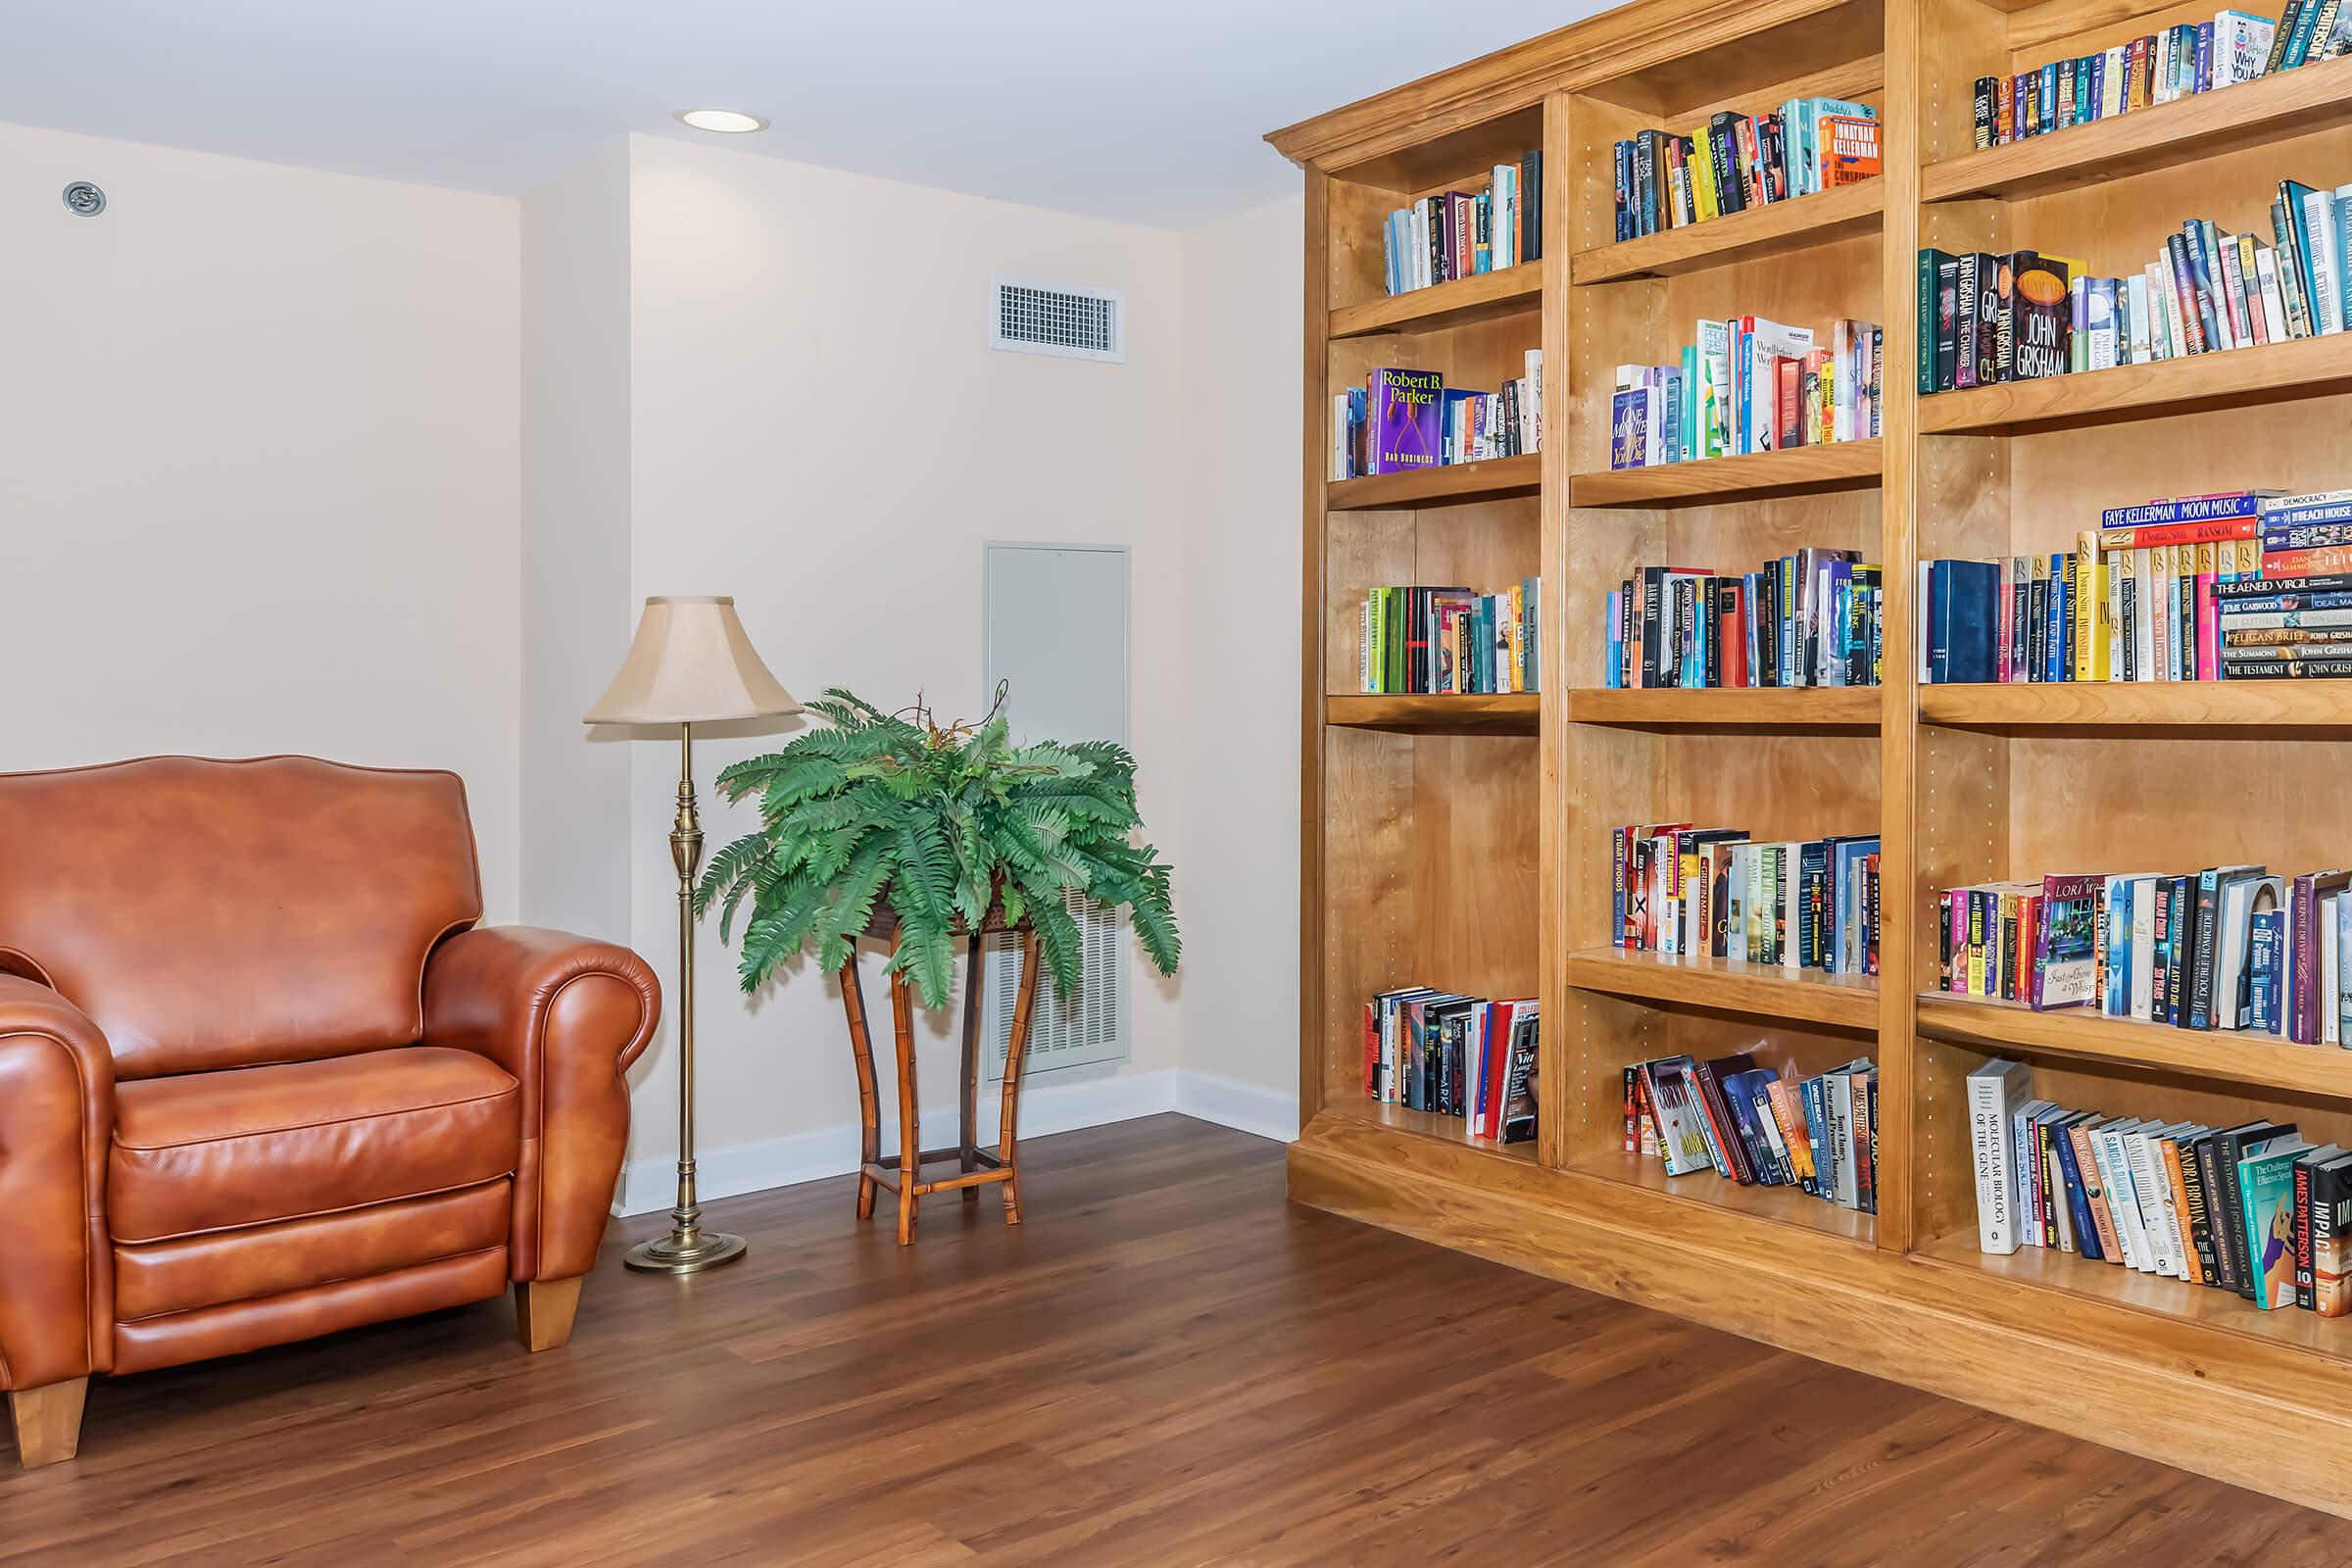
<point>1748,385</point>
<point>2253,1209</point>
<point>1749,1124</point>
<point>1714,893</point>
<point>1455,1055</point>
<point>1449,640</point>
<point>2190,57</point>
<point>2247,585</point>
<point>1813,618</point>
<point>1460,234</point>
<point>2024,315</point>
<point>1735,161</point>
<point>1406,420</point>
<point>2231,947</point>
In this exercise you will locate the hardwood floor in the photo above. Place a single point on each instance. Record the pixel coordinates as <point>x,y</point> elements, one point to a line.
<point>1166,1364</point>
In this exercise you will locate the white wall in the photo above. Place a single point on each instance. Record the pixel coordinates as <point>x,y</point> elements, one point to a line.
<point>821,430</point>
<point>575,605</point>
<point>258,469</point>
<point>1240,753</point>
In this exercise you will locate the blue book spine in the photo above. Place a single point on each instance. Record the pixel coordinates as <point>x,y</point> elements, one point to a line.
<point>1625,190</point>
<point>2317,511</point>
<point>2078,1205</point>
<point>2118,1002</point>
<point>2272,603</point>
<point>2204,61</point>
<point>1752,624</point>
<point>2098,83</point>
<point>2049,96</point>
<point>2206,508</point>
<point>2263,944</point>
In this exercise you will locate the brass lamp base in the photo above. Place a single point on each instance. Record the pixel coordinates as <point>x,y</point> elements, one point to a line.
<point>681,1252</point>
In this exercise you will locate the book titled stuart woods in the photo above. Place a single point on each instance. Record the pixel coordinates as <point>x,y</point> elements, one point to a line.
<point>1407,423</point>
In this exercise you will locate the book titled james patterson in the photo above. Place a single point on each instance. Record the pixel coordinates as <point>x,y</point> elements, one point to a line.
<point>1407,422</point>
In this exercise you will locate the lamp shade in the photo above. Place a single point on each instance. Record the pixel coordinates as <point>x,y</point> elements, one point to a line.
<point>690,663</point>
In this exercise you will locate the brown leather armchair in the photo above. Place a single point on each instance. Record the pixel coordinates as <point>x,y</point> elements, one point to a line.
<point>261,1078</point>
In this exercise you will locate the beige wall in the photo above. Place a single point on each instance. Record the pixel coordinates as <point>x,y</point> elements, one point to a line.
<point>821,430</point>
<point>333,464</point>
<point>258,469</point>
<point>575,604</point>
<point>1240,753</point>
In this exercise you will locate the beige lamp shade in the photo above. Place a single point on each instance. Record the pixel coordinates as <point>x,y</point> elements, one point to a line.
<point>690,664</point>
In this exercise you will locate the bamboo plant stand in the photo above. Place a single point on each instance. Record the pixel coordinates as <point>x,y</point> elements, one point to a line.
<point>974,1167</point>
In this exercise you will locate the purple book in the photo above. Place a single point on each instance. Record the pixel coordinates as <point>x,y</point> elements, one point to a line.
<point>1406,419</point>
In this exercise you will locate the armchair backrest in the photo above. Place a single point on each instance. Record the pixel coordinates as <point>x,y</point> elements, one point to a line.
<point>212,914</point>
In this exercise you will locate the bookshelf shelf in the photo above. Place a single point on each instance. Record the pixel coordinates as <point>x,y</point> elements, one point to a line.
<point>1487,297</point>
<point>1763,990</point>
<point>2245,710</point>
<point>2039,1268</point>
<point>2204,124</point>
<point>1514,714</point>
<point>2303,367</point>
<point>1443,484</point>
<point>1752,235</point>
<point>1776,1205</point>
<point>2219,1053</point>
<point>1748,477</point>
<point>1437,1129</point>
<point>1844,710</point>
<point>1433,852</point>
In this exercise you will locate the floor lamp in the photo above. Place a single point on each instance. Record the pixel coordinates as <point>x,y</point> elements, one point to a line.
<point>690,664</point>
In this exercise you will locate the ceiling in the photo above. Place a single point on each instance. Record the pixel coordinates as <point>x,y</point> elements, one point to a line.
<point>1147,113</point>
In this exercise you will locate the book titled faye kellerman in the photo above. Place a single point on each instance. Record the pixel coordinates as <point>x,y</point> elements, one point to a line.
<point>1407,423</point>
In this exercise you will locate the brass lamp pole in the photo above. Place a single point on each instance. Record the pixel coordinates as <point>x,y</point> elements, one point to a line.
<point>689,663</point>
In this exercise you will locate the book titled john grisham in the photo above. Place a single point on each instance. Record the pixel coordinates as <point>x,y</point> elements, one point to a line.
<point>1406,422</point>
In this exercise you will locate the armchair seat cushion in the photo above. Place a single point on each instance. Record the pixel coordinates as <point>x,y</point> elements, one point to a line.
<point>216,1150</point>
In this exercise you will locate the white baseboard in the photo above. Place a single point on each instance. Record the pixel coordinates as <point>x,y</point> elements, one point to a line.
<point>650,1185</point>
<point>1245,1107</point>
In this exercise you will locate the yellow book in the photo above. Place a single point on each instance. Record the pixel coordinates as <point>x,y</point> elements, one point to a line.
<point>1703,196</point>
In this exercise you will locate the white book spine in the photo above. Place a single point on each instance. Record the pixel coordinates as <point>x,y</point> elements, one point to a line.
<point>2152,1258</point>
<point>2319,222</point>
<point>2123,1201</point>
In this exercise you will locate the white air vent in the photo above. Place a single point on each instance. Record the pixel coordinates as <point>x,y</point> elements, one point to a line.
<point>1063,1031</point>
<point>1077,323</point>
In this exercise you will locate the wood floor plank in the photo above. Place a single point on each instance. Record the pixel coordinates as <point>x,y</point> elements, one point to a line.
<point>1165,1365</point>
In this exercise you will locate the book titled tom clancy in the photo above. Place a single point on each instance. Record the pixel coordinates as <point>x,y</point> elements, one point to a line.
<point>1407,425</point>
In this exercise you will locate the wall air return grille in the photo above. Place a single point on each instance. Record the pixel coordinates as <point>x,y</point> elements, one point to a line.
<point>1077,323</point>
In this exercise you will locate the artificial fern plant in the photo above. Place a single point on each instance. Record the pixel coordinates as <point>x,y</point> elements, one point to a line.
<point>941,824</point>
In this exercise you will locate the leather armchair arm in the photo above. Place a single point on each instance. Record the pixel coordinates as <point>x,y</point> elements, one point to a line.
<point>565,1016</point>
<point>57,1115</point>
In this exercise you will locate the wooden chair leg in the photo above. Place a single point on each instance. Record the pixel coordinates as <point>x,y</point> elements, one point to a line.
<point>544,1310</point>
<point>869,1113</point>
<point>910,1158</point>
<point>47,1422</point>
<point>1008,1125</point>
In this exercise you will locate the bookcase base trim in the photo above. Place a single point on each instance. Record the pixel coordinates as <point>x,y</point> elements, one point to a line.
<point>2262,1416</point>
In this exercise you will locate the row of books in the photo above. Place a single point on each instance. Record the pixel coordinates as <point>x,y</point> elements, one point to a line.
<point>1462,233</point>
<point>2254,1209</point>
<point>1447,641</point>
<point>1750,385</point>
<point>1750,1125</point>
<point>2192,57</point>
<point>1714,893</point>
<point>2024,315</point>
<point>1454,1055</point>
<point>1735,161</point>
<point>2231,947</point>
<point>1402,420</point>
<point>1812,618</point>
<point>2246,585</point>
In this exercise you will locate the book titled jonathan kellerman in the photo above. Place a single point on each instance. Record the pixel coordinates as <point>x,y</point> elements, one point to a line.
<point>1406,419</point>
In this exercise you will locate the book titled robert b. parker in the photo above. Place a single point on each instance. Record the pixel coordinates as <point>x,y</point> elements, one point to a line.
<point>1405,420</point>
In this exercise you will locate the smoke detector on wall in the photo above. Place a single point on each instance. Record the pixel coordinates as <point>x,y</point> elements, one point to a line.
<point>1026,316</point>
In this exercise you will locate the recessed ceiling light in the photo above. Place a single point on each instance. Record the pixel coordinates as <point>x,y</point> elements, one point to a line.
<point>729,121</point>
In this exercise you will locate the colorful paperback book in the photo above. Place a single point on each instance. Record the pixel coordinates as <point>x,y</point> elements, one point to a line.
<point>1407,420</point>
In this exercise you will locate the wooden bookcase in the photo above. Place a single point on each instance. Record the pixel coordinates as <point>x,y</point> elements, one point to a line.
<point>1463,842</point>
